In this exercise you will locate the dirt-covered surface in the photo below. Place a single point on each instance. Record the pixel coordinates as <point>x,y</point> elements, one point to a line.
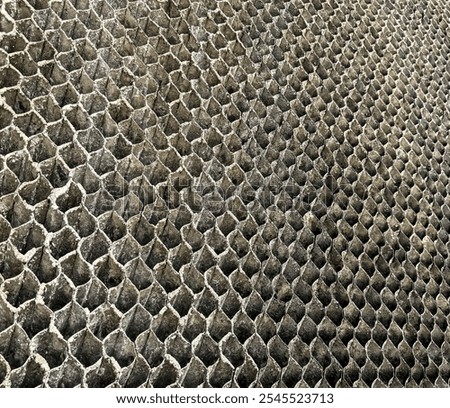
<point>224,193</point>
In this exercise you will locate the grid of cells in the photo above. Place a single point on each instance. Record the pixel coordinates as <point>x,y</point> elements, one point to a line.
<point>224,193</point>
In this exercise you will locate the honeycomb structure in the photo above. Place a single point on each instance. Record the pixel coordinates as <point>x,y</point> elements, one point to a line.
<point>224,193</point>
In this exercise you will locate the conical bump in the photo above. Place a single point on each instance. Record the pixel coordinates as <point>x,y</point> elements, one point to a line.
<point>221,194</point>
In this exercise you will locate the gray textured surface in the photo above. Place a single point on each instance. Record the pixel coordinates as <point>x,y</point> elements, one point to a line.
<point>202,193</point>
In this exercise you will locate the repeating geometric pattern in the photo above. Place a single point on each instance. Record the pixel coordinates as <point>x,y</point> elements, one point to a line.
<point>224,193</point>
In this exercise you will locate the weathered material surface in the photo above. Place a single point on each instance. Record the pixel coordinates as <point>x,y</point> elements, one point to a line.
<point>216,193</point>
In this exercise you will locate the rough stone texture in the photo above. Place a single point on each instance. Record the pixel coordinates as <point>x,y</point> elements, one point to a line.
<point>224,193</point>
